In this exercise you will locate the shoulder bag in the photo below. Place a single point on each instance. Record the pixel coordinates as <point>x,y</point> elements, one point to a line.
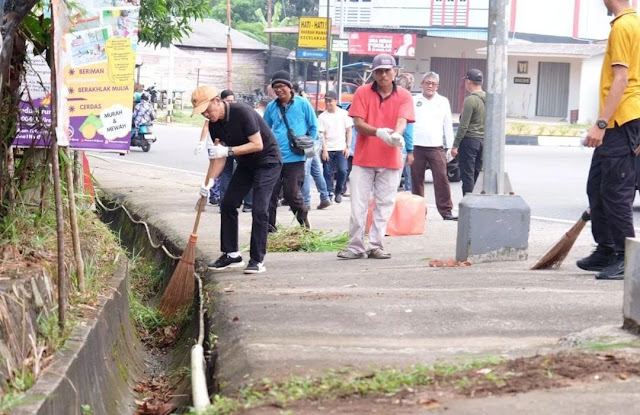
<point>300,144</point>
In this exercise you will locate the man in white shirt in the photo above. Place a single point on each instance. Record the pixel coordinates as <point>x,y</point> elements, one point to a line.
<point>433,121</point>
<point>335,126</point>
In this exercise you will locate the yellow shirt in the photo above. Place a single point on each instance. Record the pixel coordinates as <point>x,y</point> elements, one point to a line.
<point>623,49</point>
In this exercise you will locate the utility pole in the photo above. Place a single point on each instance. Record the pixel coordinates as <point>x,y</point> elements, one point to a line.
<point>493,223</point>
<point>328,63</point>
<point>496,76</point>
<point>341,54</point>
<point>229,56</point>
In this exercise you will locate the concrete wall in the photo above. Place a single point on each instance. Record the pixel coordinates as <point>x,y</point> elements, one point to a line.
<point>427,47</point>
<point>589,89</point>
<point>193,67</point>
<point>248,68</point>
<point>584,79</point>
<point>557,15</point>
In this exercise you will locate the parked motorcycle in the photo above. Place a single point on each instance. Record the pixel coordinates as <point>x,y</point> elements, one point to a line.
<point>143,137</point>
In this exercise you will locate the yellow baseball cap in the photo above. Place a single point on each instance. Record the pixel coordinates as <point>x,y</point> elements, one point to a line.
<point>201,97</point>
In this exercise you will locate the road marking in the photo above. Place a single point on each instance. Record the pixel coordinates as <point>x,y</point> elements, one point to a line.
<point>148,165</point>
<point>543,218</point>
<point>565,221</point>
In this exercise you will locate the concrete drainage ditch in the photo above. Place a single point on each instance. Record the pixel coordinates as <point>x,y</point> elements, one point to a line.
<point>104,363</point>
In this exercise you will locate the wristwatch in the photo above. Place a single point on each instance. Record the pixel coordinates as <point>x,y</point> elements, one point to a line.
<point>602,124</point>
<point>230,152</point>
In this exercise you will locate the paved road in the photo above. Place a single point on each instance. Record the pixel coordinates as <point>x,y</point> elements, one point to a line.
<point>552,180</point>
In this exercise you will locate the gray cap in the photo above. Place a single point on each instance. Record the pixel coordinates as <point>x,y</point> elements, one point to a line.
<point>383,61</point>
<point>331,95</point>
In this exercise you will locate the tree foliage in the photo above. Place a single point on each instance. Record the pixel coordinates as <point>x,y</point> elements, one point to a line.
<point>162,21</point>
<point>249,17</point>
<point>24,21</point>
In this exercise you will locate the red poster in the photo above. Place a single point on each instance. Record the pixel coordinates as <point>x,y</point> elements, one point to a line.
<point>367,43</point>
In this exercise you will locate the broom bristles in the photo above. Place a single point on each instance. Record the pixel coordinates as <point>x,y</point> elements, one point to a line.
<point>179,292</point>
<point>554,257</point>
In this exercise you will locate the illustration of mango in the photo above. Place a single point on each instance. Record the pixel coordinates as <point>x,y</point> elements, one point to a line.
<point>89,131</point>
<point>90,126</point>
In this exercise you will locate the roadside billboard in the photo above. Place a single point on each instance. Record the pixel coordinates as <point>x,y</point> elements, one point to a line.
<point>369,43</point>
<point>95,61</point>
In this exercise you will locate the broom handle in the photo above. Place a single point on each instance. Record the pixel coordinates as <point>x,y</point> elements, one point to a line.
<point>203,199</point>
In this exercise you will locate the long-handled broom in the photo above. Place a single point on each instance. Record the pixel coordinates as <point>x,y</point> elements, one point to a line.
<point>179,292</point>
<point>554,257</point>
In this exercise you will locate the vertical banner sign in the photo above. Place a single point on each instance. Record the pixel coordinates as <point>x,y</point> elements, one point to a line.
<point>35,103</point>
<point>95,62</point>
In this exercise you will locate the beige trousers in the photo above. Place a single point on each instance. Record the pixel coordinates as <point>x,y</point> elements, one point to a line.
<point>364,181</point>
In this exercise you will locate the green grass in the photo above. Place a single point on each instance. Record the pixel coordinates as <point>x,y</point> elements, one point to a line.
<point>336,384</point>
<point>146,286</point>
<point>14,399</point>
<point>299,239</point>
<point>604,345</point>
<point>183,117</point>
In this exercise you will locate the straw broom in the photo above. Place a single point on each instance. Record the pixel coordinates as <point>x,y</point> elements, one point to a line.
<point>554,257</point>
<point>179,292</point>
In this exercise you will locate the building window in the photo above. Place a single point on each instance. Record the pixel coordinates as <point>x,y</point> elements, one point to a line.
<point>450,13</point>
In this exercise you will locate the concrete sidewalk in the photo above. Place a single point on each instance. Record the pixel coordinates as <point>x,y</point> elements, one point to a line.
<point>310,312</point>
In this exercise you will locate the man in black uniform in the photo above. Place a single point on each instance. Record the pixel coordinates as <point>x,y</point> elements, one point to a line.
<point>238,130</point>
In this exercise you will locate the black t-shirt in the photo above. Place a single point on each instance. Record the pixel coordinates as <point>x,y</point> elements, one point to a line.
<point>240,122</point>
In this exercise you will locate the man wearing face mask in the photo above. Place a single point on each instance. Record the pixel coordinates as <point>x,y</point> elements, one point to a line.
<point>380,113</point>
<point>238,131</point>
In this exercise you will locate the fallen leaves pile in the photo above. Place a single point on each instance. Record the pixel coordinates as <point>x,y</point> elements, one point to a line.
<point>449,263</point>
<point>157,394</point>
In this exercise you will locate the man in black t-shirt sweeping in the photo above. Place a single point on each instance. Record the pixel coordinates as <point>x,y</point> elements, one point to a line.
<point>238,130</point>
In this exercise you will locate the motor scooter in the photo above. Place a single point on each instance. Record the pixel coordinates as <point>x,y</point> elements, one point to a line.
<point>143,136</point>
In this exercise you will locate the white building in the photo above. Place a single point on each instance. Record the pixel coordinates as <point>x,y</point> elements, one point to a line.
<point>555,52</point>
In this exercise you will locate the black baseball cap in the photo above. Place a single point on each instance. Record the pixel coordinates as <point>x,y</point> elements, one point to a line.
<point>474,75</point>
<point>331,95</point>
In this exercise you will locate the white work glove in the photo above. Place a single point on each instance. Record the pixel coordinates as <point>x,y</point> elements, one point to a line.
<point>205,187</point>
<point>397,140</point>
<point>448,156</point>
<point>385,135</point>
<point>199,147</point>
<point>218,152</point>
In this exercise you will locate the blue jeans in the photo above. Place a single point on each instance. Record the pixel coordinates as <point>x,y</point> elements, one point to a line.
<point>337,164</point>
<point>406,174</point>
<point>225,178</point>
<point>214,192</point>
<point>313,168</point>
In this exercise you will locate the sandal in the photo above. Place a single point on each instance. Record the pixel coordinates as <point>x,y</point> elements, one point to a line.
<point>347,254</point>
<point>379,253</point>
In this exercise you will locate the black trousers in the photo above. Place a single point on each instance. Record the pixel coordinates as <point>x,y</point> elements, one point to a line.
<point>469,162</point>
<point>290,181</point>
<point>611,187</point>
<point>262,179</point>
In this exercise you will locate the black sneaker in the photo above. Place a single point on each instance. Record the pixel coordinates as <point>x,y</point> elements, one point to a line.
<point>254,267</point>
<point>225,262</point>
<point>338,198</point>
<point>246,208</point>
<point>615,270</point>
<point>597,261</point>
